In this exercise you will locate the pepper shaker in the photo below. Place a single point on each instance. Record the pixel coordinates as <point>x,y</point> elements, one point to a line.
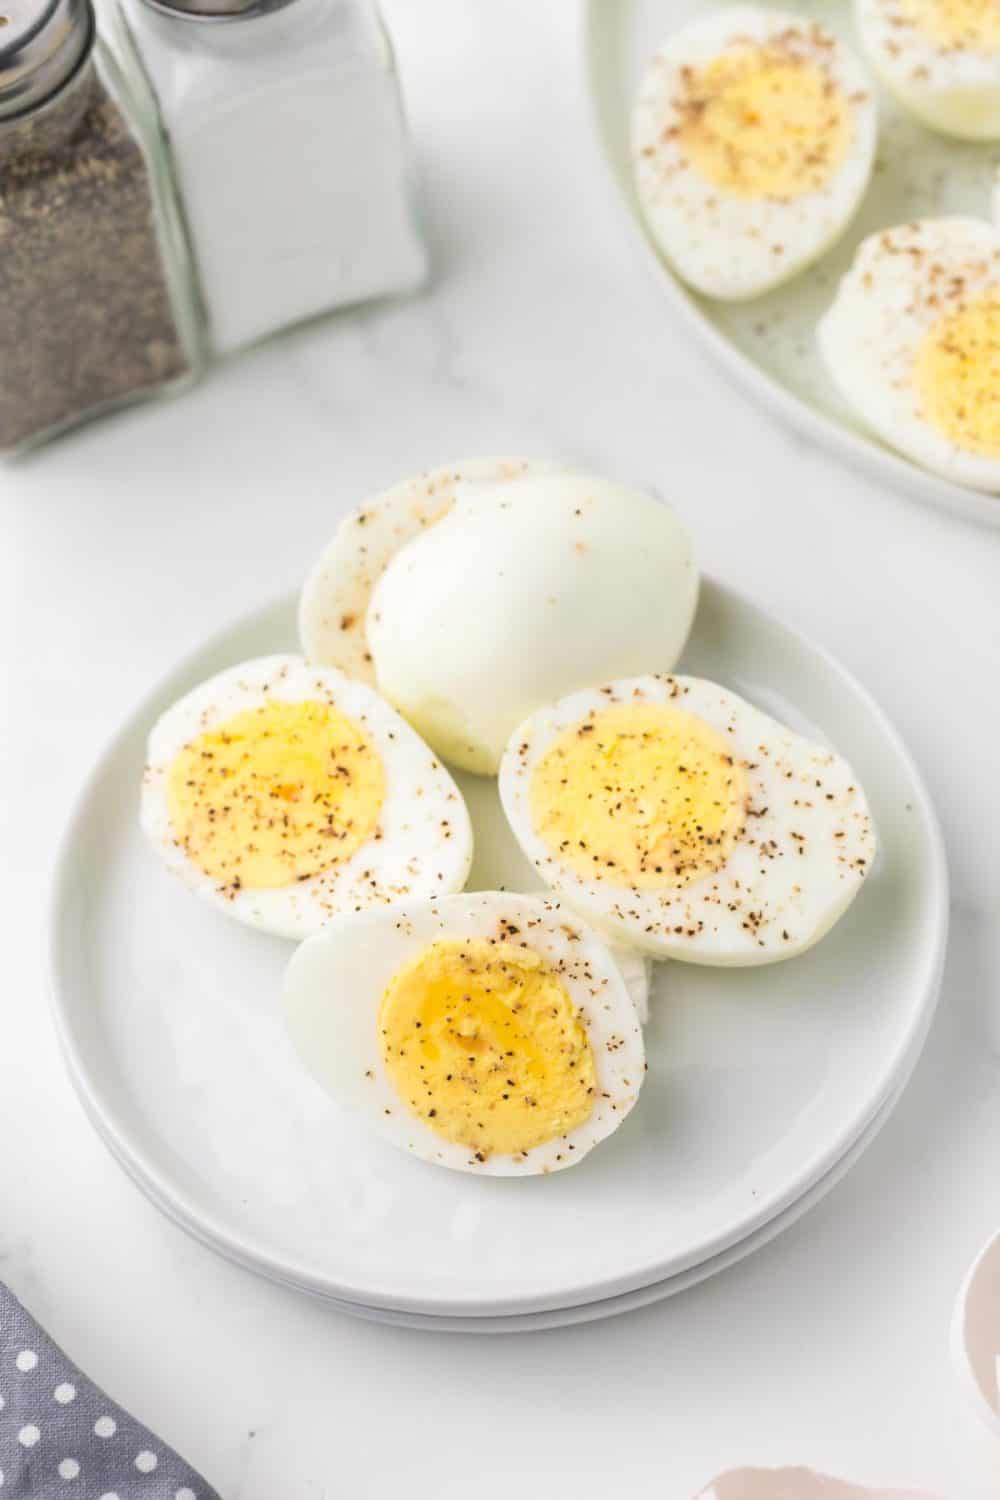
<point>97,299</point>
<point>286,133</point>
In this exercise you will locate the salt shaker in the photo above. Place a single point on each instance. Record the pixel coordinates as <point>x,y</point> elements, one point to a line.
<point>97,298</point>
<point>286,134</point>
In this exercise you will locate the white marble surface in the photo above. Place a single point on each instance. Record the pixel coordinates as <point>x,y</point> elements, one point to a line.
<point>123,546</point>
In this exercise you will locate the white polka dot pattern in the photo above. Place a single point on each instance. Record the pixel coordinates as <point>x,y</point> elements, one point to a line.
<point>61,1436</point>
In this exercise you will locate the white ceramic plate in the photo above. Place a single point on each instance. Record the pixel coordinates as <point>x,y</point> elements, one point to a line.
<point>760,1081</point>
<point>768,343</point>
<point>609,1307</point>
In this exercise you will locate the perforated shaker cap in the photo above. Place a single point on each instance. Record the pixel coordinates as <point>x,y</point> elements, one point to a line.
<point>42,43</point>
<point>216,10</point>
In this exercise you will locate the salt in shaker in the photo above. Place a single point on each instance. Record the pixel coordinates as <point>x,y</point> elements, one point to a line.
<point>286,133</point>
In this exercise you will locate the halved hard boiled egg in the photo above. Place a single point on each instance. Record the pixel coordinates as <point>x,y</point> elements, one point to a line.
<point>286,793</point>
<point>486,1032</point>
<point>753,141</point>
<point>912,341</point>
<point>941,58</point>
<point>678,818</point>
<point>334,603</point>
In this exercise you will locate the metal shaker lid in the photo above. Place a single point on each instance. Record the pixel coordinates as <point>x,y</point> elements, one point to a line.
<point>216,10</point>
<point>42,43</point>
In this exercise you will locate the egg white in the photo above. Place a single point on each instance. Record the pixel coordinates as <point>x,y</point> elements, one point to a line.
<point>637,971</point>
<point>953,90</point>
<point>721,244</point>
<point>334,986</point>
<point>901,282</point>
<point>806,847</point>
<point>334,602</point>
<point>425,848</point>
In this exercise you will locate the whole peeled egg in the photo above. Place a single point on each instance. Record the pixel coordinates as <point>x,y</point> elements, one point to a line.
<point>523,592</point>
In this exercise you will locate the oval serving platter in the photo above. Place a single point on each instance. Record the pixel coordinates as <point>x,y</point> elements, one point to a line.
<point>761,1081</point>
<point>768,343</point>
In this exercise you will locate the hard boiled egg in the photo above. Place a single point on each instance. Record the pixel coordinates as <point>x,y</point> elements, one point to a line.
<point>678,818</point>
<point>912,341</point>
<point>285,793</point>
<point>489,1033</point>
<point>333,606</point>
<point>753,142</point>
<point>941,58</point>
<point>521,593</point>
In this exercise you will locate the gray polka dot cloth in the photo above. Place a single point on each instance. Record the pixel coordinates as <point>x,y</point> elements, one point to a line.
<point>61,1437</point>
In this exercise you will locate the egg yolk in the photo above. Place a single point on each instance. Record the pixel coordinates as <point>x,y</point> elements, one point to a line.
<point>966,25</point>
<point>764,122</point>
<point>275,794</point>
<point>642,795</point>
<point>957,375</point>
<point>483,1042</point>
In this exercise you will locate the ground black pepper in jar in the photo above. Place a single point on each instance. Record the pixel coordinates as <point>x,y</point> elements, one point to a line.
<point>96,296</point>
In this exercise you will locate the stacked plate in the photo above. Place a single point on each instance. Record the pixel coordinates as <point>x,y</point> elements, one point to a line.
<point>764,1086</point>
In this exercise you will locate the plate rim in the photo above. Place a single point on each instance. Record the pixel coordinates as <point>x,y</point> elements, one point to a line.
<point>863,453</point>
<point>136,1160</point>
<point>672,1286</point>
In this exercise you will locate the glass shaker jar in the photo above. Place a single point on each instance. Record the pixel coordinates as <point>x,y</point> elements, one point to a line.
<point>97,301</point>
<point>286,135</point>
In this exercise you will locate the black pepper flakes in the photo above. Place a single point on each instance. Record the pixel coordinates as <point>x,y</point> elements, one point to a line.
<point>87,317</point>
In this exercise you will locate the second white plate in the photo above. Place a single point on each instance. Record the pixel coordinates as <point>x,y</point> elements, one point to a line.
<point>768,343</point>
<point>760,1082</point>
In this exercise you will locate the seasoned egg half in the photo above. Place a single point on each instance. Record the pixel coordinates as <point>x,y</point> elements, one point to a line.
<point>941,58</point>
<point>678,818</point>
<point>753,140</point>
<point>286,793</point>
<point>489,1033</point>
<point>333,606</point>
<point>912,341</point>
